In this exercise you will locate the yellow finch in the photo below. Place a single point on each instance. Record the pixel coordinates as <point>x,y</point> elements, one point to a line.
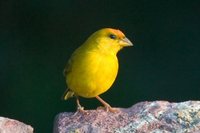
<point>93,66</point>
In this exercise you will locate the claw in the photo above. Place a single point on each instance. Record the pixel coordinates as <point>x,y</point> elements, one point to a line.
<point>108,108</point>
<point>80,109</point>
<point>113,110</point>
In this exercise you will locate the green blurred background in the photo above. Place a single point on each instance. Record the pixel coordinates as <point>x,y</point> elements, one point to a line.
<point>38,37</point>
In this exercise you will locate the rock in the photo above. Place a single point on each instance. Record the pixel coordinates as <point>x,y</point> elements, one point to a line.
<point>13,126</point>
<point>144,117</point>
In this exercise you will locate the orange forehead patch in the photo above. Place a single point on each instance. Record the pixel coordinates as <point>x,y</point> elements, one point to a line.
<point>117,32</point>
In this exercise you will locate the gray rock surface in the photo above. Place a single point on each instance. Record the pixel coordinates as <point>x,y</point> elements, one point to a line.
<point>13,126</point>
<point>144,117</point>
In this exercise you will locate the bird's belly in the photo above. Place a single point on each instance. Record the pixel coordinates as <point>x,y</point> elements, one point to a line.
<point>93,77</point>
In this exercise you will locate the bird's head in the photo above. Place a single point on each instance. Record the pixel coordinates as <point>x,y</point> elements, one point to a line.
<point>109,40</point>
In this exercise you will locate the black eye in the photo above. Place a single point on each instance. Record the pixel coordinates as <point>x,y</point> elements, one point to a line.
<point>112,36</point>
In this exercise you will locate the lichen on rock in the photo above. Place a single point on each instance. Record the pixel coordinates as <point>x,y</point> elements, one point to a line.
<point>151,117</point>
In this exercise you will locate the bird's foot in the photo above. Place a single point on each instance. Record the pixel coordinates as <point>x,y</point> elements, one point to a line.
<point>109,109</point>
<point>81,110</point>
<point>107,106</point>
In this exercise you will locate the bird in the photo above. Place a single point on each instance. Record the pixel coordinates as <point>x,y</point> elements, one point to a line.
<point>93,66</point>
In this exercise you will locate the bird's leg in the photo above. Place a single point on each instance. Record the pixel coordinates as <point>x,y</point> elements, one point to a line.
<point>79,107</point>
<point>106,105</point>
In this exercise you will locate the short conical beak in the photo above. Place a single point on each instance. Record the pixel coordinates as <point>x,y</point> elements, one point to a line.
<point>126,42</point>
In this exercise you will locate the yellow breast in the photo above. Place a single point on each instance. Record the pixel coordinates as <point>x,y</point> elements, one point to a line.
<point>92,73</point>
